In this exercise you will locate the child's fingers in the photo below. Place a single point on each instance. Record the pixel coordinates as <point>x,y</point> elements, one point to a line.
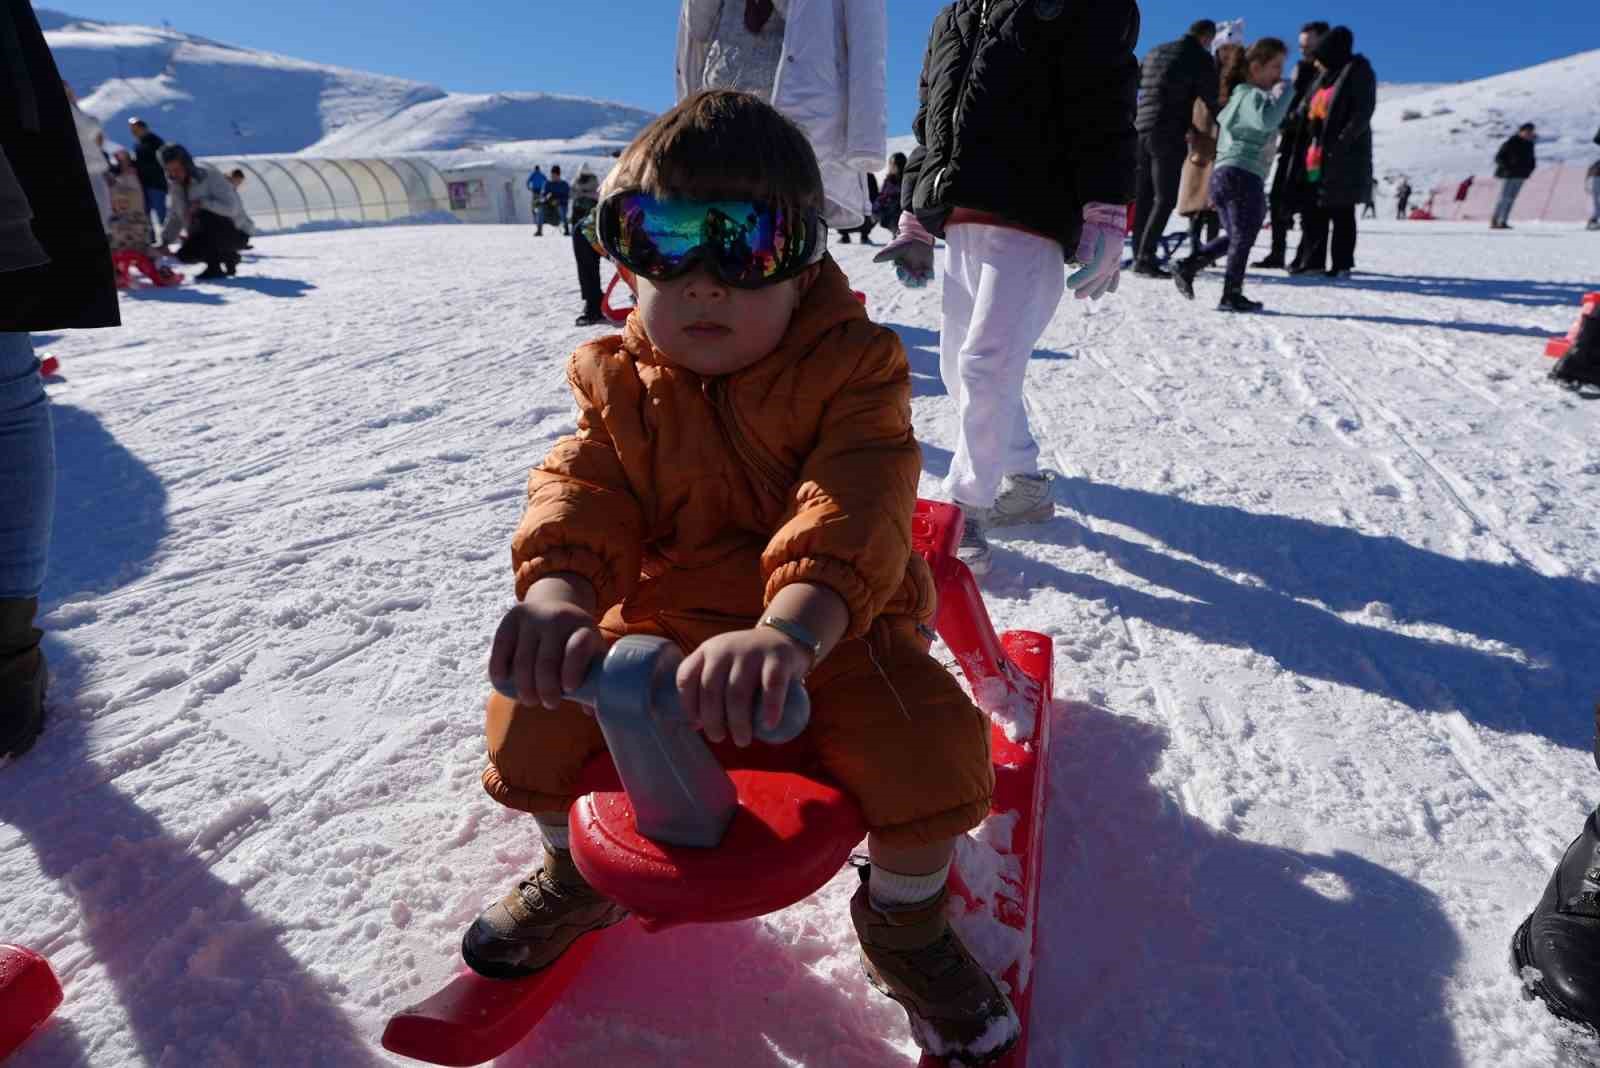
<point>741,699</point>
<point>522,665</point>
<point>547,670</point>
<point>774,689</point>
<point>503,650</point>
<point>689,686</point>
<point>713,702</point>
<point>584,645</point>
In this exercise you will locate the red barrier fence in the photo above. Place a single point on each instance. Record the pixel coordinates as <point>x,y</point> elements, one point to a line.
<point>1555,193</point>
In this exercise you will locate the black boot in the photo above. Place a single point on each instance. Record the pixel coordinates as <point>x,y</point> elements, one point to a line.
<point>1561,940</point>
<point>1150,269</point>
<point>1272,261</point>
<point>1234,300</point>
<point>22,677</point>
<point>1183,274</point>
<point>591,316</point>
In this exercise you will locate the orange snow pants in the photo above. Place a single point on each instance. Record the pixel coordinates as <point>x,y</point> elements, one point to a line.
<point>889,725</point>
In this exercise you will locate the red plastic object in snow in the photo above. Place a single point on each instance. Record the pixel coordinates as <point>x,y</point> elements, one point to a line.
<point>1557,347</point>
<point>611,311</point>
<point>126,262</point>
<point>29,993</point>
<point>48,366</point>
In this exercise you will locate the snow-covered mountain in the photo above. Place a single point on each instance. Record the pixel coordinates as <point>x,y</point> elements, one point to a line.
<point>1451,131</point>
<point>221,100</point>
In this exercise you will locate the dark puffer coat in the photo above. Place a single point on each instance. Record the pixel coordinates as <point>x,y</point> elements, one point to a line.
<point>1515,158</point>
<point>1173,77</point>
<point>75,289</point>
<point>1026,113</point>
<point>1347,136</point>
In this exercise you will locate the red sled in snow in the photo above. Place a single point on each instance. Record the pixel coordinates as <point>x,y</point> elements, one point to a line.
<point>127,261</point>
<point>29,994</point>
<point>787,835</point>
<point>1558,347</point>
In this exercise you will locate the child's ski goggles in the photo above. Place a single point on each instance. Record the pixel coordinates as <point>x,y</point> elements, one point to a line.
<point>745,243</point>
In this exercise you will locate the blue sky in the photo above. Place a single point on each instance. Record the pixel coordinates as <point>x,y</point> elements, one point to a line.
<point>625,52</point>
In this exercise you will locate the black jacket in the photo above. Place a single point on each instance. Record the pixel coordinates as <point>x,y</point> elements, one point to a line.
<point>1026,113</point>
<point>1515,159</point>
<point>147,158</point>
<point>1346,141</point>
<point>1173,77</point>
<point>75,290</point>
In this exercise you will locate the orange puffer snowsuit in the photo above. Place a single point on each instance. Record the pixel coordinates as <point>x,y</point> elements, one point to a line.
<point>689,502</point>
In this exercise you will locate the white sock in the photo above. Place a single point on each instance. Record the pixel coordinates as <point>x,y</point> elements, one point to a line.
<point>891,892</point>
<point>555,833</point>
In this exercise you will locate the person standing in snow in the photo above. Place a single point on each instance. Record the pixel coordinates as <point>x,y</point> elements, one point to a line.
<point>585,195</point>
<point>92,143</point>
<point>1173,77</point>
<point>204,208</point>
<point>557,193</point>
<point>1513,165</point>
<point>1249,122</point>
<point>1335,144</point>
<point>536,183</point>
<point>823,63</point>
<point>1402,199</point>
<point>1015,190</point>
<point>55,274</point>
<point>1194,188</point>
<point>887,206</point>
<point>247,225</point>
<point>743,350</point>
<point>152,176</point>
<point>1290,195</point>
<point>1591,179</point>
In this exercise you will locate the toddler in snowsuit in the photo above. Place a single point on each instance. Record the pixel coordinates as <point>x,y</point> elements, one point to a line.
<point>742,481</point>
<point>1024,159</point>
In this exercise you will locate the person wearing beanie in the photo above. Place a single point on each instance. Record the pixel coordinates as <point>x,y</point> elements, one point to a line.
<point>1334,150</point>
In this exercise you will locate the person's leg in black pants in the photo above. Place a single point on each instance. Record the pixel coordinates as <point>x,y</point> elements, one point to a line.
<point>1343,243</point>
<point>1312,255</point>
<point>214,241</point>
<point>1282,218</point>
<point>1165,169</point>
<point>588,261</point>
<point>1144,195</point>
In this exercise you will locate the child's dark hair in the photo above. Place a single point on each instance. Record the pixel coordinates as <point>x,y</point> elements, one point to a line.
<point>1234,70</point>
<point>721,144</point>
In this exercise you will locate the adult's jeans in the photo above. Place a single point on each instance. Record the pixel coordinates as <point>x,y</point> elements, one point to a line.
<point>155,198</point>
<point>27,470</point>
<point>1241,200</point>
<point>1160,169</point>
<point>1510,188</point>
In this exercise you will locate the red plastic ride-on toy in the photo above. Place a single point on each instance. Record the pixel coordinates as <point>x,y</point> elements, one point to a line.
<point>687,842</point>
<point>127,262</point>
<point>29,994</point>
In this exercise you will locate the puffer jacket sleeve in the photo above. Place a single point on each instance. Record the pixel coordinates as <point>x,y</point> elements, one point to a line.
<point>919,125</point>
<point>1100,76</point>
<point>848,525</point>
<point>582,517</point>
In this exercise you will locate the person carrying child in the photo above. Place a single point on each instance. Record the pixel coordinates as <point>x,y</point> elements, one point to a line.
<point>1249,123</point>
<point>742,482</point>
<point>1025,158</point>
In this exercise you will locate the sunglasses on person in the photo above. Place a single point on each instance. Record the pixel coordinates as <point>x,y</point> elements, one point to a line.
<point>747,244</point>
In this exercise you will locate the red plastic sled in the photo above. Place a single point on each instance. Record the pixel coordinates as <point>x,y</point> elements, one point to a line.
<point>29,993</point>
<point>615,313</point>
<point>791,835</point>
<point>126,262</point>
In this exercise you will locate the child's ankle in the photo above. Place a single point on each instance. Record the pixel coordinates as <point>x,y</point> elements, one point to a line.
<point>894,892</point>
<point>554,829</point>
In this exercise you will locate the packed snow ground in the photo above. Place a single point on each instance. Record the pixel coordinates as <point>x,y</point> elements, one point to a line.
<point>1323,584</point>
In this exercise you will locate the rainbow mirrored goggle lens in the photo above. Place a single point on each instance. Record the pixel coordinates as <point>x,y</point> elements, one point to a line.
<point>745,243</point>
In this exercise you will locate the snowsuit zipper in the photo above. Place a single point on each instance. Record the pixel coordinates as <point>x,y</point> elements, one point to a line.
<point>765,468</point>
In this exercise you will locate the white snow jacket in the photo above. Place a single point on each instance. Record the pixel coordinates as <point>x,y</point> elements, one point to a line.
<point>207,189</point>
<point>832,82</point>
<point>90,134</point>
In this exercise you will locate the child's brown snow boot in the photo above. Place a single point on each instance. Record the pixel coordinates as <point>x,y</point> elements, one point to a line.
<point>22,677</point>
<point>530,927</point>
<point>956,1009</point>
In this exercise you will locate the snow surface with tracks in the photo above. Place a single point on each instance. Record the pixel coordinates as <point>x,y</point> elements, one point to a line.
<point>1322,582</point>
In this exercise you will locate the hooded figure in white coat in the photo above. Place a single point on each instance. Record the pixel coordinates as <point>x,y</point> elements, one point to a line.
<point>820,62</point>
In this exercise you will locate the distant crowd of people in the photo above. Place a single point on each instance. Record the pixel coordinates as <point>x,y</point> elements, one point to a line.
<point>197,208</point>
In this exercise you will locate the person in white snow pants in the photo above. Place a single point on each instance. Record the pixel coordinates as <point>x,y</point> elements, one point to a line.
<point>1001,287</point>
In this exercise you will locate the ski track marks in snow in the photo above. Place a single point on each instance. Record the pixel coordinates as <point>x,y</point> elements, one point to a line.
<point>1321,583</point>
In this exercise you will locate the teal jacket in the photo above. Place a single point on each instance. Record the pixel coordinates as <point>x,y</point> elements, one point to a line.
<point>1249,123</point>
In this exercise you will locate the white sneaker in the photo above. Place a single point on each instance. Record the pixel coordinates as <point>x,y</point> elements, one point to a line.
<point>1022,499</point>
<point>974,548</point>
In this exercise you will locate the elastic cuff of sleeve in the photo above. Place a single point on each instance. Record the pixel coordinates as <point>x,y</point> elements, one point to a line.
<point>838,577</point>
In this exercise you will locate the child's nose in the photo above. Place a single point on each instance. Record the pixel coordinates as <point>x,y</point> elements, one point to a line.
<point>701,284</point>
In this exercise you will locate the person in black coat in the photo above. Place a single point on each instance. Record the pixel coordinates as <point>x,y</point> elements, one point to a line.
<point>1024,158</point>
<point>1172,78</point>
<point>865,229</point>
<point>1513,165</point>
<point>55,273</point>
<point>1333,153</point>
<point>1286,199</point>
<point>152,177</point>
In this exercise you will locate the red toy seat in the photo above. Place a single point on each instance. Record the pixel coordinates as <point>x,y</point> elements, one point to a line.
<point>29,993</point>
